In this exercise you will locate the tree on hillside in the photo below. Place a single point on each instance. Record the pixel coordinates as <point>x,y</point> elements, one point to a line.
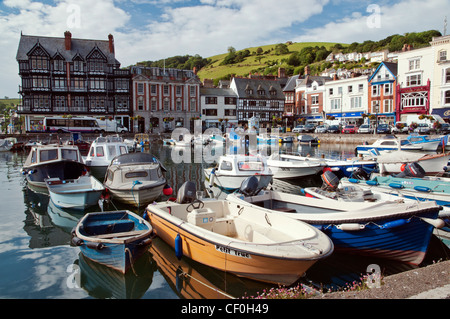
<point>281,49</point>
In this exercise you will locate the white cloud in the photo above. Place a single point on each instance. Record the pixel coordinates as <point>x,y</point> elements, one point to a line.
<point>405,16</point>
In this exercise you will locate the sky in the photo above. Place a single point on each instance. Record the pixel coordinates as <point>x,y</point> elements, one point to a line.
<point>155,29</point>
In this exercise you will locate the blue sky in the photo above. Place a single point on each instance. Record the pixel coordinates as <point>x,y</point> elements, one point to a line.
<point>154,29</point>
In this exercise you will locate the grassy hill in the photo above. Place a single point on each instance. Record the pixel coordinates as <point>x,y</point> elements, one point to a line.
<point>255,63</point>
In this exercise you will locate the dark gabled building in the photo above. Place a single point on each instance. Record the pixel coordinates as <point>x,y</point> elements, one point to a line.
<point>69,76</point>
<point>258,97</point>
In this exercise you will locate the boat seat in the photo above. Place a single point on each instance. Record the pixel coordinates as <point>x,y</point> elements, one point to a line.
<point>285,209</point>
<point>106,226</point>
<point>121,234</point>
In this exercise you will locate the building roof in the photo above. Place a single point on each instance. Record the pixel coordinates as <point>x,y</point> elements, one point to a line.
<point>391,66</point>
<point>217,92</point>
<point>55,45</point>
<point>308,80</point>
<point>291,83</point>
<point>244,84</point>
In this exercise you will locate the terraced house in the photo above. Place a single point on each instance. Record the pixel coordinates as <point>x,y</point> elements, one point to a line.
<point>69,76</point>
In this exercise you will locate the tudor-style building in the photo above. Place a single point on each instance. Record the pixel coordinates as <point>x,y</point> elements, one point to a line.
<point>260,98</point>
<point>164,98</point>
<point>68,76</point>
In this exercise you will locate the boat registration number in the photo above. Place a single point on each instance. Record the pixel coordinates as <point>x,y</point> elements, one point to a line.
<point>233,252</point>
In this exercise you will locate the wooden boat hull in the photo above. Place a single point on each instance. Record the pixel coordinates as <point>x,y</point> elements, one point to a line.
<point>233,255</point>
<point>115,239</point>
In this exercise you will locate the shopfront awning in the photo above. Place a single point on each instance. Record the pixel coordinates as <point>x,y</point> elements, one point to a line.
<point>442,112</point>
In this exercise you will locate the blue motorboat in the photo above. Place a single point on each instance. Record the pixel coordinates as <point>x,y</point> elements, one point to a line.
<point>115,239</point>
<point>427,143</point>
<point>399,230</point>
<point>350,167</point>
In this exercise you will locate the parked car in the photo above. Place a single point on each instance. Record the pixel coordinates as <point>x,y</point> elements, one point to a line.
<point>365,129</point>
<point>444,129</point>
<point>422,128</point>
<point>384,129</point>
<point>321,129</point>
<point>309,128</point>
<point>298,129</point>
<point>349,129</point>
<point>333,129</point>
<point>400,127</point>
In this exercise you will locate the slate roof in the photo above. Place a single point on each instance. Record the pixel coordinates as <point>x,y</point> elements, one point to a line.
<point>54,45</point>
<point>217,92</point>
<point>309,79</point>
<point>243,84</point>
<point>291,83</point>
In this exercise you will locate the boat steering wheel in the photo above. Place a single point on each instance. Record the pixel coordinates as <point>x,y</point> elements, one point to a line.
<point>196,204</point>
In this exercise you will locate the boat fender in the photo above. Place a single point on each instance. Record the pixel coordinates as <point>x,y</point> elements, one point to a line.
<point>422,189</point>
<point>145,215</point>
<point>372,183</point>
<point>437,223</point>
<point>394,224</point>
<point>178,247</point>
<point>396,185</point>
<point>96,246</point>
<point>167,190</point>
<point>353,180</point>
<point>350,227</point>
<point>77,241</point>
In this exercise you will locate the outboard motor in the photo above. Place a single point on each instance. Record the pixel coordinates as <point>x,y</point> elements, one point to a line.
<point>249,186</point>
<point>330,180</point>
<point>412,170</point>
<point>187,193</point>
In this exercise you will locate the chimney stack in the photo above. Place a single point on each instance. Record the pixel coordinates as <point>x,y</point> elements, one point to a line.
<point>307,70</point>
<point>68,40</point>
<point>111,43</point>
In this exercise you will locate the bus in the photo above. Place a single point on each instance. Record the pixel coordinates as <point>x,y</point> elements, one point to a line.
<point>61,124</point>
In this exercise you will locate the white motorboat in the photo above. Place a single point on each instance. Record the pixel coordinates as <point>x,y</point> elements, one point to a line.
<point>77,193</point>
<point>232,170</point>
<point>246,241</point>
<point>285,166</point>
<point>102,152</point>
<point>5,145</point>
<point>135,179</point>
<point>393,162</point>
<point>47,161</point>
<point>387,143</point>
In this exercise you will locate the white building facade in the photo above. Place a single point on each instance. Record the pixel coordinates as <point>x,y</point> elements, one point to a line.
<point>346,99</point>
<point>440,84</point>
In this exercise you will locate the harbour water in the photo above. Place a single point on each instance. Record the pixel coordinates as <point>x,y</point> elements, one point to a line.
<point>38,262</point>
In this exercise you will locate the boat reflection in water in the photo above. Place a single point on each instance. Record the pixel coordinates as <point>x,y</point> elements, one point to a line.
<point>191,280</point>
<point>103,282</point>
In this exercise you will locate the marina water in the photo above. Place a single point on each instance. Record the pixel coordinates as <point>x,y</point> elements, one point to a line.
<point>37,260</point>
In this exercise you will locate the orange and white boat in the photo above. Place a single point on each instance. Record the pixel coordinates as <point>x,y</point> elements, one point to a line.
<point>239,239</point>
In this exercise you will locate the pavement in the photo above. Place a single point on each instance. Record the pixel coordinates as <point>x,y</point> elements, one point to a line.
<point>430,282</point>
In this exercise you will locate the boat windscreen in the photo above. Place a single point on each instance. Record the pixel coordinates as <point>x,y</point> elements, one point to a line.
<point>134,158</point>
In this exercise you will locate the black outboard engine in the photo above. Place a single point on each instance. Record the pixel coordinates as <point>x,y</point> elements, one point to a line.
<point>330,180</point>
<point>187,193</point>
<point>412,170</point>
<point>360,173</point>
<point>249,186</point>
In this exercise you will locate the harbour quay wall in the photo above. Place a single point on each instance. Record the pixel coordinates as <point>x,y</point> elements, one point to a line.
<point>354,139</point>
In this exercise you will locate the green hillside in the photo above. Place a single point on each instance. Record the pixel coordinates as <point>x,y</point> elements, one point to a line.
<point>266,62</point>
